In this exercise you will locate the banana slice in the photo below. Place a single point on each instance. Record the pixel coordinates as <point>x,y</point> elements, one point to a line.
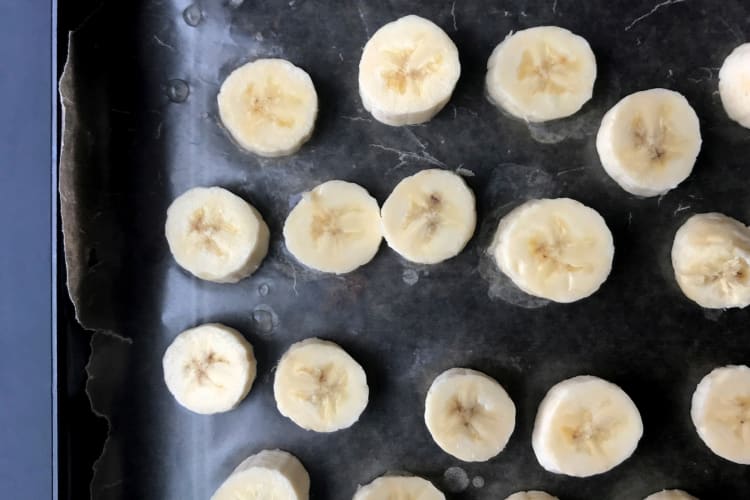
<point>469,415</point>
<point>408,71</point>
<point>721,412</point>
<point>648,142</point>
<point>585,426</point>
<point>430,216</point>
<point>319,386</point>
<point>271,474</point>
<point>734,85</point>
<point>531,495</point>
<point>210,368</point>
<point>335,228</point>
<point>557,249</point>
<point>711,261</point>
<point>670,495</point>
<point>399,487</point>
<point>540,74</point>
<point>216,235</point>
<point>269,106</point>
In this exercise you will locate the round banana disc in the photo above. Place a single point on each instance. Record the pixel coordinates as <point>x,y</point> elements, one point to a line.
<point>557,249</point>
<point>216,235</point>
<point>649,141</point>
<point>210,368</point>
<point>269,474</point>
<point>430,216</point>
<point>721,412</point>
<point>469,415</point>
<point>711,261</point>
<point>319,386</point>
<point>408,71</point>
<point>269,106</point>
<point>670,495</point>
<point>335,228</point>
<point>541,73</point>
<point>734,85</point>
<point>407,487</point>
<point>531,495</point>
<point>585,426</point>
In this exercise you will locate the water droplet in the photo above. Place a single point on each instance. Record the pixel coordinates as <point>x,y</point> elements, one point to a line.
<point>177,90</point>
<point>410,277</point>
<point>265,319</point>
<point>456,479</point>
<point>477,482</point>
<point>263,290</point>
<point>192,15</point>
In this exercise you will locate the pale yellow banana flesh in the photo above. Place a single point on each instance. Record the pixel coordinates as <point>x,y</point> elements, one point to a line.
<point>469,415</point>
<point>734,85</point>
<point>648,142</point>
<point>400,488</point>
<point>721,412</point>
<point>585,426</point>
<point>670,495</point>
<point>430,216</point>
<point>210,368</point>
<point>319,386</point>
<point>558,249</point>
<point>270,474</point>
<point>531,495</point>
<point>541,73</point>
<point>711,261</point>
<point>216,235</point>
<point>407,72</point>
<point>269,106</point>
<point>335,228</point>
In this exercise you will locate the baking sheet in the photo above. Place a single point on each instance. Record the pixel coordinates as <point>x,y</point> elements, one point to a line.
<point>129,149</point>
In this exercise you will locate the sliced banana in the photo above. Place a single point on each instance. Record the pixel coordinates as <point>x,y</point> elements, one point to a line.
<point>531,495</point>
<point>430,216</point>
<point>648,142</point>
<point>270,474</point>
<point>319,386</point>
<point>269,106</point>
<point>335,228</point>
<point>408,71</point>
<point>216,235</point>
<point>540,74</point>
<point>721,412</point>
<point>399,488</point>
<point>469,415</point>
<point>585,426</point>
<point>670,495</point>
<point>557,249</point>
<point>711,261</point>
<point>210,368</point>
<point>734,85</point>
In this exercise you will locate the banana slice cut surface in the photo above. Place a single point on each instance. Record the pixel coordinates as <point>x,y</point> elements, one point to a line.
<point>557,249</point>
<point>216,235</point>
<point>670,495</point>
<point>319,386</point>
<point>585,426</point>
<point>721,412</point>
<point>711,261</point>
<point>268,106</point>
<point>648,142</point>
<point>408,71</point>
<point>335,228</point>
<point>210,368</point>
<point>734,85</point>
<point>469,415</point>
<point>430,216</point>
<point>270,474</point>
<point>400,488</point>
<point>531,495</point>
<point>542,73</point>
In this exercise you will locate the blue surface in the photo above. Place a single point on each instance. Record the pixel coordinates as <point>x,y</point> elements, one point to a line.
<point>26,250</point>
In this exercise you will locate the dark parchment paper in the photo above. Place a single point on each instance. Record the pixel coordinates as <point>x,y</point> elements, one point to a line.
<point>129,149</point>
